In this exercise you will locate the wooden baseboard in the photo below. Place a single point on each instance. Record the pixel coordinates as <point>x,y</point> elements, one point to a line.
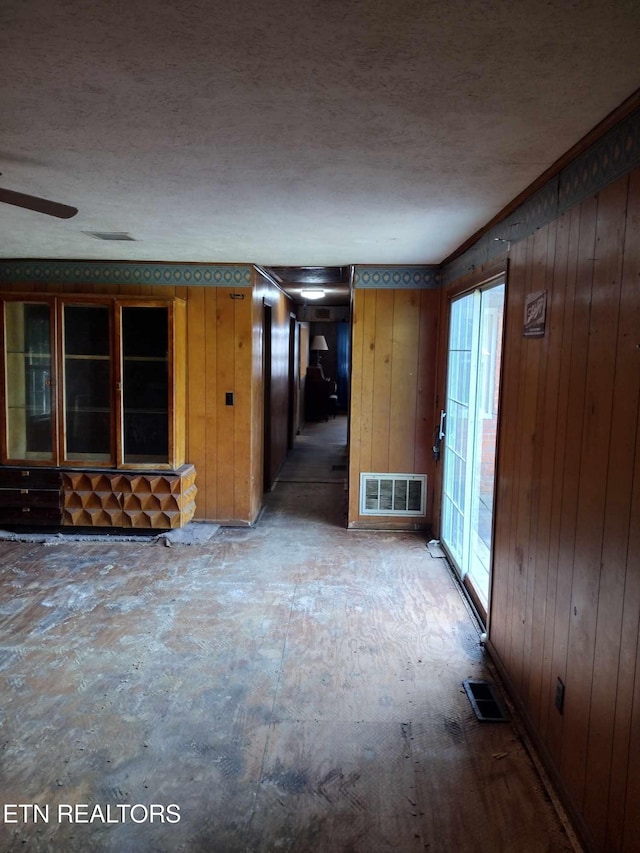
<point>572,820</point>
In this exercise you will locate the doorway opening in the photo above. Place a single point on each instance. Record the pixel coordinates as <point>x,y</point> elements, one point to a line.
<point>318,453</point>
<point>471,425</point>
<point>314,446</point>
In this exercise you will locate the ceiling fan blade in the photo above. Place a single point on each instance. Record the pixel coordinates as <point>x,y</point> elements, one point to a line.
<point>40,205</point>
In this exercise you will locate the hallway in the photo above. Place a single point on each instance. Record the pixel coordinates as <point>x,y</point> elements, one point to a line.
<point>295,686</point>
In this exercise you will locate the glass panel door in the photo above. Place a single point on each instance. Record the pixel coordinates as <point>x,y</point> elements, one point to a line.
<point>473,377</point>
<point>145,378</point>
<point>29,416</point>
<point>87,383</point>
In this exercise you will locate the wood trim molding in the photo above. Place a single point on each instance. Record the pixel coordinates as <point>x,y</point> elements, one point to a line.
<point>478,278</point>
<point>568,814</point>
<point>615,117</point>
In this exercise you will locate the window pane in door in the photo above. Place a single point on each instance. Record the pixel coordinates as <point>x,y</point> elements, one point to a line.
<point>457,426</point>
<point>28,381</point>
<point>473,376</point>
<point>485,433</point>
<point>145,353</point>
<point>87,383</point>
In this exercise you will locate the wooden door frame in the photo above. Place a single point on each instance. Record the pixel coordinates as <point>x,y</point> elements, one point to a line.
<point>267,324</point>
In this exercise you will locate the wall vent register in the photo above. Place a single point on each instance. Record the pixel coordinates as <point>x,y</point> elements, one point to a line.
<point>393,494</point>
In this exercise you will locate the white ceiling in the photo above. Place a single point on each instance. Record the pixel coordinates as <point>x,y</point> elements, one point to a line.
<point>293,132</point>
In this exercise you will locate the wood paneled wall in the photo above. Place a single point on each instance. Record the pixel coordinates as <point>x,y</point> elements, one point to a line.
<point>219,360</point>
<point>566,582</point>
<point>221,356</point>
<point>393,374</point>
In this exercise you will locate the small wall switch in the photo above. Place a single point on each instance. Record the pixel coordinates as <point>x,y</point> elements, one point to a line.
<point>560,695</point>
<point>228,398</point>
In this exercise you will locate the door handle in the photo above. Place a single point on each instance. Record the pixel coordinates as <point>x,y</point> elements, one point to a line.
<point>439,435</point>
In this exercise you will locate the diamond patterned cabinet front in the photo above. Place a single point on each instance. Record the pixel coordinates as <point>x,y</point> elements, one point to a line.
<point>151,499</point>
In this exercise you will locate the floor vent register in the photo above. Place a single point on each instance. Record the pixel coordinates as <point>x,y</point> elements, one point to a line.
<point>485,701</point>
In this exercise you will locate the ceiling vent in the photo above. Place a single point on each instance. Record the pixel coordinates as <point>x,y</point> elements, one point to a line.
<point>111,235</point>
<point>320,314</point>
<point>393,494</point>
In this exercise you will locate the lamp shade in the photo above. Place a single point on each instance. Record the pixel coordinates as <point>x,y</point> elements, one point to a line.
<point>319,342</point>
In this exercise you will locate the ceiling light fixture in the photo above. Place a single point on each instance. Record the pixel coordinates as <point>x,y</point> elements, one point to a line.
<point>312,294</point>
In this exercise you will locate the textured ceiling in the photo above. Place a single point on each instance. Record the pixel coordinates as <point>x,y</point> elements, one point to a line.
<point>290,132</point>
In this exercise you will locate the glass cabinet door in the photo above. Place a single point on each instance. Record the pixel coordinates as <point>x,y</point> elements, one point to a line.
<point>29,380</point>
<point>145,384</point>
<point>92,381</point>
<point>87,383</point>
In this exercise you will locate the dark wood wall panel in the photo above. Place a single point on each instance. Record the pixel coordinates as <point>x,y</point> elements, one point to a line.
<point>266,293</point>
<point>623,514</point>
<point>508,443</point>
<point>569,442</point>
<point>566,585</point>
<point>556,418</point>
<point>601,492</point>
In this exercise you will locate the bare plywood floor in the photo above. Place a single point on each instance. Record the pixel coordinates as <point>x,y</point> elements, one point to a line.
<point>293,687</point>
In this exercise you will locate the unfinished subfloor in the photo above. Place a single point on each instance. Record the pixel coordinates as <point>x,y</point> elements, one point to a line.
<point>291,687</point>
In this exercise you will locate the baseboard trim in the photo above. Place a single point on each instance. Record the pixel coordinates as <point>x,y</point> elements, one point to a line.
<point>577,831</point>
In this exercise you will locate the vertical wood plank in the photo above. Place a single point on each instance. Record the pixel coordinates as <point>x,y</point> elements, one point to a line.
<point>370,307</point>
<point>209,394</point>
<point>555,425</point>
<point>616,490</point>
<point>625,761</point>
<point>404,380</point>
<point>426,409</point>
<point>506,479</point>
<point>161,291</point>
<point>279,380</point>
<point>526,461</point>
<point>625,793</point>
<point>621,551</point>
<point>242,409</point>
<point>357,408</point>
<point>130,290</point>
<point>196,403</point>
<point>178,377</point>
<point>257,399</point>
<point>596,425</point>
<point>541,488</point>
<point>382,381</point>
<point>518,392</point>
<point>225,425</point>
<point>579,282</point>
<point>543,474</point>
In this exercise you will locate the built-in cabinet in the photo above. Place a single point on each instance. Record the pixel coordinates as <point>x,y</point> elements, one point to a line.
<point>94,384</point>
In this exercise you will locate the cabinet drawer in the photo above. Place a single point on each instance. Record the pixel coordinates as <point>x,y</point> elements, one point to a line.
<point>31,515</point>
<point>29,478</point>
<point>30,497</point>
